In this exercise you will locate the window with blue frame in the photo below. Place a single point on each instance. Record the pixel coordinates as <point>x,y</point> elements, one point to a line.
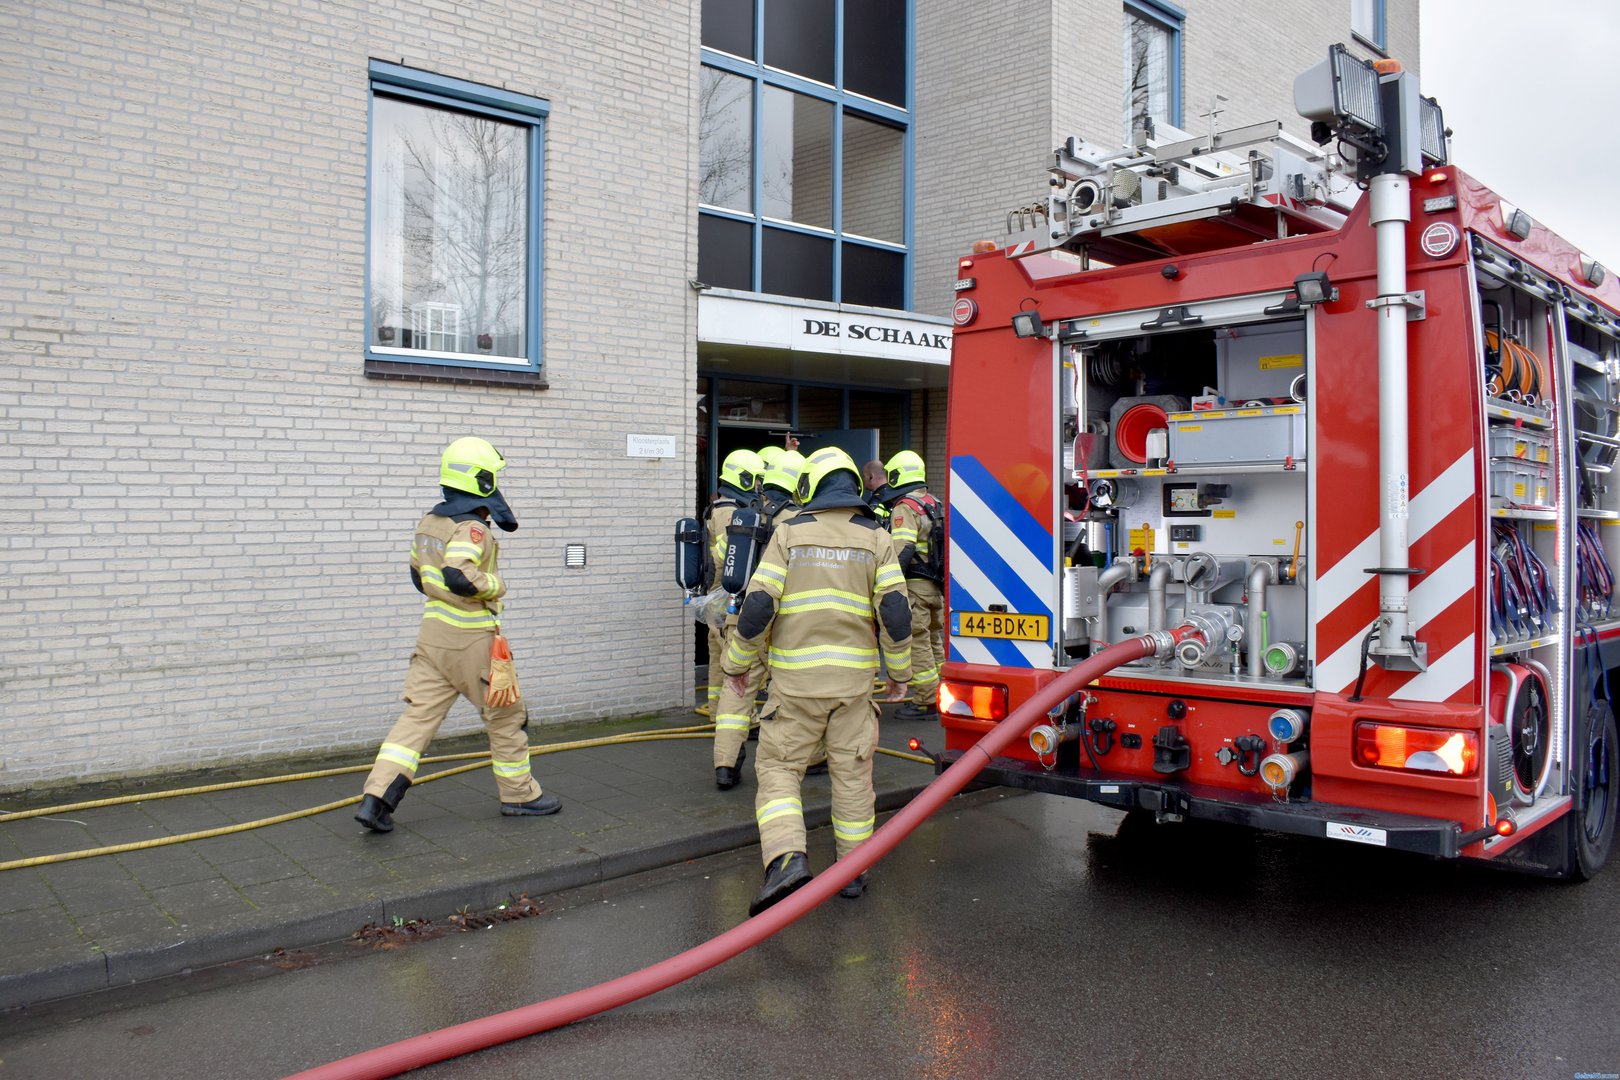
<point>1367,22</point>
<point>1152,67</point>
<point>453,213</point>
<point>805,149</point>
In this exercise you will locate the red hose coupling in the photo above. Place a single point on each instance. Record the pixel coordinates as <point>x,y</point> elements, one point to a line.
<point>1165,641</point>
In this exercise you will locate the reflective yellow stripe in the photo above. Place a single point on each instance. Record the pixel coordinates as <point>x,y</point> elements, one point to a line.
<point>889,575</point>
<point>770,572</point>
<point>901,656</point>
<point>778,807</point>
<point>403,756</point>
<point>433,575</point>
<point>493,589</point>
<point>472,620</point>
<point>741,655</point>
<point>824,656</point>
<point>731,722</point>
<point>853,830</point>
<point>510,768</point>
<point>825,600</point>
<point>905,535</point>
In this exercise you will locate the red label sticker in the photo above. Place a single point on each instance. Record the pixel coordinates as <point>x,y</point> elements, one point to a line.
<point>477,534</point>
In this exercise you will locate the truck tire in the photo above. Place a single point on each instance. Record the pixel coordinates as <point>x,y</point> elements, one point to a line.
<point>1597,792</point>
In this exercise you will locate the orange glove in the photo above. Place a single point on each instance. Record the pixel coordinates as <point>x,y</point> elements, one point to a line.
<point>503,684</point>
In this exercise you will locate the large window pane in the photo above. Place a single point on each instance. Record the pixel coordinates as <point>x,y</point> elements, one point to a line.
<point>725,252</point>
<point>742,401</point>
<point>799,37</point>
<point>449,231</point>
<point>798,265</point>
<point>874,180</point>
<point>1147,73</point>
<point>874,278</point>
<point>728,25</point>
<point>875,49</point>
<point>796,158</point>
<point>1367,20</point>
<point>725,140</point>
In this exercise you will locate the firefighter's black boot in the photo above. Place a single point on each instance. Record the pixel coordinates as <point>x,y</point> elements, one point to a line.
<point>545,804</point>
<point>912,711</point>
<point>374,814</point>
<point>377,812</point>
<point>787,873</point>
<point>727,777</point>
<point>854,889</point>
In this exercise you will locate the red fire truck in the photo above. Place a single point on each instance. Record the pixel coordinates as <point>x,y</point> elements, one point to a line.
<point>1348,419</point>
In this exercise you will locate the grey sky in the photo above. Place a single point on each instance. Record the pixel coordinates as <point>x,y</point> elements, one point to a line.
<point>1530,92</point>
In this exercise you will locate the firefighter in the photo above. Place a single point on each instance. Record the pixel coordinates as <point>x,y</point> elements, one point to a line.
<point>739,487</point>
<point>915,517</point>
<point>875,477</point>
<point>827,577</point>
<point>734,714</point>
<point>453,566</point>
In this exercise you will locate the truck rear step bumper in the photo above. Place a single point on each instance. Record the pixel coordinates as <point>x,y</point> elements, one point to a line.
<point>1402,832</point>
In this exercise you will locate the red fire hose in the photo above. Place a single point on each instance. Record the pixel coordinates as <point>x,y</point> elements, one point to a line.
<point>503,1027</point>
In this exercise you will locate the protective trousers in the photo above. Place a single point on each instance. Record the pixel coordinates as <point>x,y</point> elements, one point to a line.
<point>437,676</point>
<point>734,715</point>
<point>927,639</point>
<point>790,731</point>
<point>717,649</point>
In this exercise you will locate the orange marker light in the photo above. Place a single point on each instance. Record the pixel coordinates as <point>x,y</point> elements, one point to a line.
<point>1387,66</point>
<point>913,744</point>
<point>983,247</point>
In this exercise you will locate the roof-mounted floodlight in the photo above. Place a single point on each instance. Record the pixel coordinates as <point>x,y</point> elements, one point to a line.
<point>1592,271</point>
<point>1515,222</point>
<point>1341,93</point>
<point>1434,131</point>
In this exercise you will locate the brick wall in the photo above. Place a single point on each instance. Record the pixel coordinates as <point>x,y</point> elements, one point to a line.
<point>208,506</point>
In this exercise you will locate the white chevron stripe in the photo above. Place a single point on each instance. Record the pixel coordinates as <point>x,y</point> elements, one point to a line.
<point>1026,564</point>
<point>1429,508</point>
<point>1036,653</point>
<point>973,650</point>
<point>1445,676</point>
<point>1433,594</point>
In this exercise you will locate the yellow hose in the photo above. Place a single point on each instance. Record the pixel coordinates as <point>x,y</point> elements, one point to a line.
<point>704,731</point>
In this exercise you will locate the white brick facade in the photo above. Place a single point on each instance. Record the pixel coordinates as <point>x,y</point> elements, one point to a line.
<point>208,507</point>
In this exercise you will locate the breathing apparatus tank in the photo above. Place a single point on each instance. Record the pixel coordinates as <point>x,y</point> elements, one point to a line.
<point>745,543</point>
<point>689,554</point>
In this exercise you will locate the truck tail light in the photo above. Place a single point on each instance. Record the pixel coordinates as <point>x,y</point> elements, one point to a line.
<point>1391,746</point>
<point>981,701</point>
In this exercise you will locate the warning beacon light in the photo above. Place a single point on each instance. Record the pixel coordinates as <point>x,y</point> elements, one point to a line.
<point>1340,96</point>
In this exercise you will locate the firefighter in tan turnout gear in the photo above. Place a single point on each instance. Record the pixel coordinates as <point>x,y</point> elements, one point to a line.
<point>734,714</point>
<point>826,593</point>
<point>739,487</point>
<point>453,566</point>
<point>914,513</point>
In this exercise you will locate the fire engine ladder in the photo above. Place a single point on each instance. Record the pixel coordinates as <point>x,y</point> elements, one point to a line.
<point>1167,198</point>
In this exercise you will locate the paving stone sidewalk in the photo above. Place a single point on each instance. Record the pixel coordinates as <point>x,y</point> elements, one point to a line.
<point>76,927</point>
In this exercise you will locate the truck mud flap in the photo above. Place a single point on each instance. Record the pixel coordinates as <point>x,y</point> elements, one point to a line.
<point>1400,832</point>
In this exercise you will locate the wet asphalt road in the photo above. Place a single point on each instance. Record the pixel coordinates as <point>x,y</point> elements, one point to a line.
<point>1011,936</point>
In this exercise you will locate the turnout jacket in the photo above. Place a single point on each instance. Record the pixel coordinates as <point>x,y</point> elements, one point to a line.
<point>826,594</point>
<point>454,567</point>
<point>910,527</point>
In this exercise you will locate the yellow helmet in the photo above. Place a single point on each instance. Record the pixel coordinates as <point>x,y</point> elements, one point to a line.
<point>906,467</point>
<point>741,470</point>
<point>822,464</point>
<point>784,471</point>
<point>770,454</point>
<point>472,465</point>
